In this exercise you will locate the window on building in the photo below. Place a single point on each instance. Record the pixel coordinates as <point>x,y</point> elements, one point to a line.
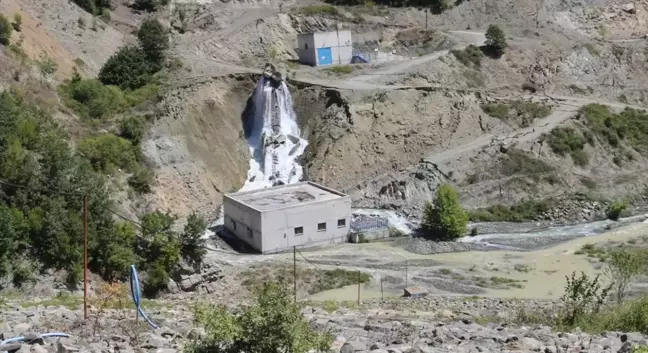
<point>342,223</point>
<point>321,227</point>
<point>249,232</point>
<point>299,230</point>
<point>233,225</point>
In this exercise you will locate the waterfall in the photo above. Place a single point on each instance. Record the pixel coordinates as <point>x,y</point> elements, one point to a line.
<point>274,138</point>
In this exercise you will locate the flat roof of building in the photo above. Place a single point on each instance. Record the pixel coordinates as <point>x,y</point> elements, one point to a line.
<point>285,196</point>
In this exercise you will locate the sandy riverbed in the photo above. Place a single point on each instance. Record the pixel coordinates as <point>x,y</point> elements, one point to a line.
<point>543,278</point>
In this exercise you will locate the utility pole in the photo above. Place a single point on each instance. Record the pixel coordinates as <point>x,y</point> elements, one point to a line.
<point>426,15</point>
<point>359,275</point>
<point>295,272</point>
<point>85,256</point>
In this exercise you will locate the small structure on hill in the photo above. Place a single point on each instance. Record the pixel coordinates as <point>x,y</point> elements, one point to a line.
<point>279,218</point>
<point>414,292</point>
<point>325,48</point>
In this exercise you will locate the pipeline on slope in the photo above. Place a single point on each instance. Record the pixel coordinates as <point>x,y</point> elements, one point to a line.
<point>136,293</point>
<point>22,338</point>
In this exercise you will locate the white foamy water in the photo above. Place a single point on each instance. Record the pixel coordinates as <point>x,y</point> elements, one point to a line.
<point>274,141</point>
<point>395,221</point>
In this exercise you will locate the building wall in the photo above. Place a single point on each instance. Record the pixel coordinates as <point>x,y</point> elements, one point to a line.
<point>279,225</point>
<point>306,49</point>
<point>243,220</point>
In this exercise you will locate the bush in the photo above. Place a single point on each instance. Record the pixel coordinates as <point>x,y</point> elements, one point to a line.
<point>153,38</point>
<point>582,297</point>
<point>93,100</point>
<point>129,68</point>
<point>563,140</point>
<point>17,23</point>
<point>150,5</point>
<point>342,69</point>
<point>438,6</point>
<point>93,6</point>
<point>5,30</point>
<point>132,129</point>
<point>445,219</point>
<point>580,157</point>
<point>470,56</point>
<point>162,253</point>
<point>496,110</point>
<point>274,323</point>
<point>319,10</point>
<point>614,210</point>
<point>622,267</point>
<point>630,125</point>
<point>192,242</point>
<point>496,39</point>
<point>46,65</point>
<point>108,151</point>
<point>141,180</point>
<point>524,211</point>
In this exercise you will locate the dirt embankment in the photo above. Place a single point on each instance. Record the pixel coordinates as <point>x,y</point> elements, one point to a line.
<point>197,147</point>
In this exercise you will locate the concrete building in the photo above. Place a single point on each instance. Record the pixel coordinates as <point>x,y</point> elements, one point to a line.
<point>325,48</point>
<point>276,219</point>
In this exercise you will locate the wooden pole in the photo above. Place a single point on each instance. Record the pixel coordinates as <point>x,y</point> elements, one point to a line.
<point>382,292</point>
<point>85,256</point>
<point>295,273</point>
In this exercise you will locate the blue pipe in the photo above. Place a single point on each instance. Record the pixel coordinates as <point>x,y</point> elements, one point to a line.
<point>136,293</point>
<point>45,335</point>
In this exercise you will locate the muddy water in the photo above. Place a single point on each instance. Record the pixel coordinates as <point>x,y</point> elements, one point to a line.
<point>544,278</point>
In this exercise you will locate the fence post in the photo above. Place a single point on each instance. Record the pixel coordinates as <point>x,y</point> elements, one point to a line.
<point>295,273</point>
<point>359,275</point>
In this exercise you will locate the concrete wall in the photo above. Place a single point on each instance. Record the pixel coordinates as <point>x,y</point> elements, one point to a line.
<point>279,225</point>
<point>306,49</point>
<point>373,234</point>
<point>239,218</point>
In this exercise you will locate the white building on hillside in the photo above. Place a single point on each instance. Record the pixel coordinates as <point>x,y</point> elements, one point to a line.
<point>325,48</point>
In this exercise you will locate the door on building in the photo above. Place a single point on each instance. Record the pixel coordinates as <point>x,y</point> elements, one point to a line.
<point>325,57</point>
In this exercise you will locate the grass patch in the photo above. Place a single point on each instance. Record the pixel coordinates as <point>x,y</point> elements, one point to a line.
<point>524,211</point>
<point>520,112</point>
<point>312,10</point>
<point>470,56</point>
<point>341,69</point>
<point>64,299</point>
<point>589,183</point>
<point>473,78</point>
<point>309,279</point>
<point>499,282</point>
<point>522,268</point>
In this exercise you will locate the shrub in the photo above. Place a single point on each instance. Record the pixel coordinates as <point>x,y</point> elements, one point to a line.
<point>132,129</point>
<point>153,38</point>
<point>150,5</point>
<point>192,242</point>
<point>342,69</point>
<point>129,68</point>
<point>17,23</point>
<point>274,323</point>
<point>46,65</point>
<point>496,39</point>
<point>496,110</point>
<point>614,210</point>
<point>470,56</point>
<point>93,100</point>
<point>445,219</point>
<point>161,254</point>
<point>319,10</point>
<point>563,140</point>
<point>93,6</point>
<point>622,267</point>
<point>580,157</point>
<point>5,30</point>
<point>108,151</point>
<point>438,6</point>
<point>141,180</point>
<point>524,211</point>
<point>583,296</point>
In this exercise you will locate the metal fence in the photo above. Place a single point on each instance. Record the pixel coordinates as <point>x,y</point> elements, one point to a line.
<point>368,224</point>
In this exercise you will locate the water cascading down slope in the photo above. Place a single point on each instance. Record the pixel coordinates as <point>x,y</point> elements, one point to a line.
<point>273,135</point>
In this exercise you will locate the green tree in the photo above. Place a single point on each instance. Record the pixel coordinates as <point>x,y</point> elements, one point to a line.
<point>129,68</point>
<point>274,324</point>
<point>162,251</point>
<point>153,38</point>
<point>614,210</point>
<point>92,100</point>
<point>445,219</point>
<point>192,241</point>
<point>438,6</point>
<point>141,180</point>
<point>583,296</point>
<point>114,251</point>
<point>5,30</point>
<point>496,39</point>
<point>623,266</point>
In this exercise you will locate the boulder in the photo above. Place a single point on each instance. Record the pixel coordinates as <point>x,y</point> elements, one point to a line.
<point>629,8</point>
